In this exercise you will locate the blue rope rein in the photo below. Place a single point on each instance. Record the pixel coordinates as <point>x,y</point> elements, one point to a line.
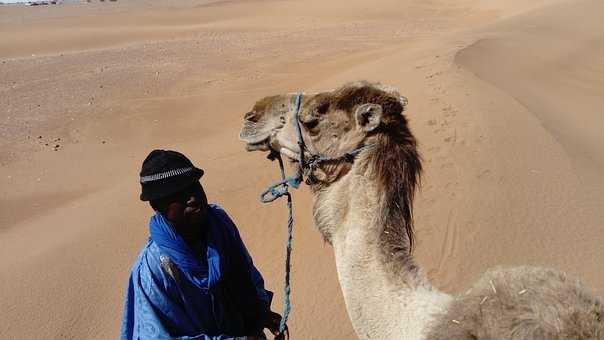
<point>280,189</point>
<point>287,286</point>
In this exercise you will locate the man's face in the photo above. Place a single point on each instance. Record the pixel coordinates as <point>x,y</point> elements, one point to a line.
<point>187,208</point>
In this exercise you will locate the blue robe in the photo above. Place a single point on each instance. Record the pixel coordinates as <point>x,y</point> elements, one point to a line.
<point>214,292</point>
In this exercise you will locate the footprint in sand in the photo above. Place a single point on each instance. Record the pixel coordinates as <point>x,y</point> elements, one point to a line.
<point>484,173</point>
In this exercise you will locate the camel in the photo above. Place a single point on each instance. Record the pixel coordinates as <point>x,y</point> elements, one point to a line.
<point>363,207</point>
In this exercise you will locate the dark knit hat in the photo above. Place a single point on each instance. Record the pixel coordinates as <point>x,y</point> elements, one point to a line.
<point>166,172</point>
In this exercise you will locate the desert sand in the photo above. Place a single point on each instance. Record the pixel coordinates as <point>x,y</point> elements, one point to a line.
<point>505,99</point>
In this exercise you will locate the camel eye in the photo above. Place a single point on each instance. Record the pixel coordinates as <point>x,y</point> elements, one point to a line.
<point>310,124</point>
<point>322,109</point>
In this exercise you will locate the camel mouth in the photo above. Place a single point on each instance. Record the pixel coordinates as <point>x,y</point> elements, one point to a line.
<point>257,146</point>
<point>254,141</point>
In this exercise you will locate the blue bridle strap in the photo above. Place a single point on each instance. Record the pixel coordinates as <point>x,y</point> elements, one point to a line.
<point>280,188</point>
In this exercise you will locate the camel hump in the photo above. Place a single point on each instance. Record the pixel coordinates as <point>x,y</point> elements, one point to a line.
<point>523,303</point>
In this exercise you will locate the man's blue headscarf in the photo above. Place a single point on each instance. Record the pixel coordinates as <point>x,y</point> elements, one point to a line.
<point>175,293</point>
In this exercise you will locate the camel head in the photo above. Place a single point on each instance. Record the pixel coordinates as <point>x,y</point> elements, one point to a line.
<point>336,122</point>
<point>332,123</point>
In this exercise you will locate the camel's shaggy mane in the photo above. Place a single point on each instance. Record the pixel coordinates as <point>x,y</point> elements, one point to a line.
<point>349,96</point>
<point>397,166</point>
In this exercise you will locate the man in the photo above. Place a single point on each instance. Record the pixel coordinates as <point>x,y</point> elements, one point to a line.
<point>194,279</point>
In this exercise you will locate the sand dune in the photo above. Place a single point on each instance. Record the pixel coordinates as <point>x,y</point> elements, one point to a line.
<point>505,100</point>
<point>551,61</point>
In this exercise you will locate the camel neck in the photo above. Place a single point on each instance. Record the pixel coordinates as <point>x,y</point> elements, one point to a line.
<point>387,297</point>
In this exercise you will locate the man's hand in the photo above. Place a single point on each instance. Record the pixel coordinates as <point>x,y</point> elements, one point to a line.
<point>272,321</point>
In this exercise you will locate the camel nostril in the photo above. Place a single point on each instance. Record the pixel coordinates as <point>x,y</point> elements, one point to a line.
<point>251,116</point>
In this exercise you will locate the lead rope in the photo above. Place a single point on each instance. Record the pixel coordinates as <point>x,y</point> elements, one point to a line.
<point>288,254</point>
<point>275,191</point>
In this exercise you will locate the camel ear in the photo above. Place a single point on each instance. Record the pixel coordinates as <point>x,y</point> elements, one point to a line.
<point>404,101</point>
<point>368,116</point>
